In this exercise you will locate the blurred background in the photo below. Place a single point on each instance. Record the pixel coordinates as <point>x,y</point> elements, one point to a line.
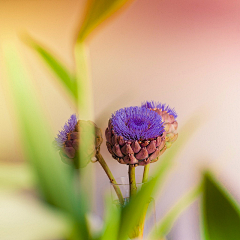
<point>185,53</point>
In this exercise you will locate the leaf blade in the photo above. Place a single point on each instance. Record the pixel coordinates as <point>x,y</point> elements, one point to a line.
<point>67,80</point>
<point>221,214</point>
<point>97,11</point>
<point>129,216</point>
<point>168,220</point>
<point>55,180</point>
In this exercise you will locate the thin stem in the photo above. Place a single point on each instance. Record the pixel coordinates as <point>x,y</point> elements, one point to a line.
<point>145,173</point>
<point>110,176</point>
<point>132,180</point>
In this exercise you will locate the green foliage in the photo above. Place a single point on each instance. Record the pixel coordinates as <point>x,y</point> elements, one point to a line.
<point>55,181</point>
<point>221,214</point>
<point>112,220</point>
<point>166,223</point>
<point>133,210</point>
<point>97,12</point>
<point>63,74</point>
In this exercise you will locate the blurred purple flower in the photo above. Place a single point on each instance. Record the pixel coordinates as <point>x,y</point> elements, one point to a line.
<point>68,127</point>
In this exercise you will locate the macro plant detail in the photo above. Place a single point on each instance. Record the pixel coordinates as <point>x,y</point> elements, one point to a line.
<point>69,138</point>
<point>135,136</point>
<point>169,116</point>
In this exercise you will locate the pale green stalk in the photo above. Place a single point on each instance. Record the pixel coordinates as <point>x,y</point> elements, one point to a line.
<point>85,97</point>
<point>132,181</point>
<point>145,173</point>
<point>85,111</point>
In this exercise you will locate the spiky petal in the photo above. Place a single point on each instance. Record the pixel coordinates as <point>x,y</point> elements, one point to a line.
<point>68,127</point>
<point>169,116</point>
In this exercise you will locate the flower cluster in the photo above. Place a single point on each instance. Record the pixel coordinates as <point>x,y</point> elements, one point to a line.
<point>135,135</point>
<point>139,135</point>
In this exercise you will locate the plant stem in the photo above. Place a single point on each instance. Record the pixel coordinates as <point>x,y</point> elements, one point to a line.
<point>132,180</point>
<point>84,83</point>
<point>110,176</point>
<point>145,173</point>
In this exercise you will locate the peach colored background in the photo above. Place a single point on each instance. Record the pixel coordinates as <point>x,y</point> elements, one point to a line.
<point>182,52</point>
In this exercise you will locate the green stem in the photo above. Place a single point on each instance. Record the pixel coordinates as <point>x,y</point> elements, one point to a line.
<point>110,176</point>
<point>84,83</point>
<point>145,173</point>
<point>132,181</point>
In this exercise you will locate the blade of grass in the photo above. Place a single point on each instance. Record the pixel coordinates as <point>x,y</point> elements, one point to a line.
<point>97,11</point>
<point>164,226</point>
<point>64,76</point>
<point>55,180</point>
<point>111,219</point>
<point>133,210</point>
<point>221,213</point>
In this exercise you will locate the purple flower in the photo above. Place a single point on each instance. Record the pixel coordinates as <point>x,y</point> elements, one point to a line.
<point>68,127</point>
<point>160,106</point>
<point>137,123</point>
<point>169,116</point>
<point>67,141</point>
<point>135,136</point>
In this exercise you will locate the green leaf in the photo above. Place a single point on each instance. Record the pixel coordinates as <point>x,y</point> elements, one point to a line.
<point>98,11</point>
<point>166,223</point>
<point>55,180</point>
<point>67,80</point>
<point>111,220</point>
<point>221,214</point>
<point>133,210</point>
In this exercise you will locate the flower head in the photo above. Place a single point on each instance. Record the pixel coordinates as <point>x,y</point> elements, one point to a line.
<point>169,116</point>
<point>135,135</point>
<point>68,127</point>
<point>136,123</point>
<point>160,106</point>
<point>68,139</point>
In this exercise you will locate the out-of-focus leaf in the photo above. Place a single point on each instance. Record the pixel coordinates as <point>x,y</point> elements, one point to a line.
<point>112,220</point>
<point>221,214</point>
<point>85,106</point>
<point>55,180</point>
<point>85,111</point>
<point>15,176</point>
<point>67,79</point>
<point>165,224</point>
<point>133,210</point>
<point>98,11</point>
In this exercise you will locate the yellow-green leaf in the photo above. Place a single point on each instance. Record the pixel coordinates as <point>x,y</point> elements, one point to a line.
<point>97,11</point>
<point>55,180</point>
<point>133,210</point>
<point>66,79</point>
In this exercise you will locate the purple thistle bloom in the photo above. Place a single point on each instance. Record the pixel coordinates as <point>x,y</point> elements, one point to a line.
<point>163,107</point>
<point>68,127</point>
<point>137,123</point>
